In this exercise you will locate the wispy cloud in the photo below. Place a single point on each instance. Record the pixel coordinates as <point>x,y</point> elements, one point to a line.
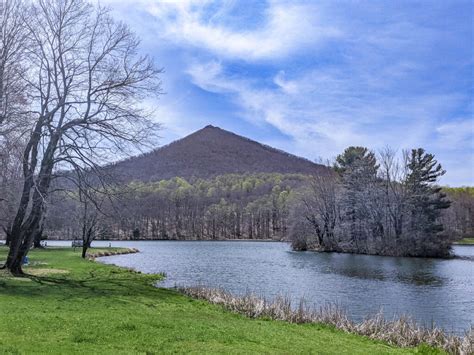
<point>285,28</point>
<point>326,111</point>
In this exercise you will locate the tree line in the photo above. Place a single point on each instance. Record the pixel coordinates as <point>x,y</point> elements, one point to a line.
<point>233,206</point>
<point>459,218</point>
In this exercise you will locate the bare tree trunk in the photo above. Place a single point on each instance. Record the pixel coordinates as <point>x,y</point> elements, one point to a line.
<point>23,234</point>
<point>8,235</point>
<point>84,251</point>
<point>85,246</point>
<point>22,241</point>
<point>37,238</point>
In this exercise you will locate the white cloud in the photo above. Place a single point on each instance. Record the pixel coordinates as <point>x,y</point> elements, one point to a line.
<point>324,112</point>
<point>453,135</point>
<point>288,86</point>
<point>285,29</point>
<point>298,116</point>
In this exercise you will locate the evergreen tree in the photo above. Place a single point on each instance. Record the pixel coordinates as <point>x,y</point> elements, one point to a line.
<point>425,204</point>
<point>358,169</point>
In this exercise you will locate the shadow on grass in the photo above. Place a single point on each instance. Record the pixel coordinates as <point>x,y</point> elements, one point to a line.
<point>107,283</point>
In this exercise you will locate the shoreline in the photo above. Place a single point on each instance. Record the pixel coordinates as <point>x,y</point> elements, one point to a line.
<point>168,240</point>
<point>403,332</point>
<point>465,242</point>
<point>127,313</point>
<point>469,242</point>
<point>120,251</point>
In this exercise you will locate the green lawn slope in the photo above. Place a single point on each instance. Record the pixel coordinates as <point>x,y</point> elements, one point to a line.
<point>71,305</point>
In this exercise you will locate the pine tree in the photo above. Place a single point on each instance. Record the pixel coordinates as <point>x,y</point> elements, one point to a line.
<point>358,169</point>
<point>425,204</point>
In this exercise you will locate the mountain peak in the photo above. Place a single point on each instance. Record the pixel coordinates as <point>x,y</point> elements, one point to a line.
<point>209,126</point>
<point>209,152</point>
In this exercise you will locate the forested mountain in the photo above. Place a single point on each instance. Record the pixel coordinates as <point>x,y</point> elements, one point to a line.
<point>212,184</point>
<point>208,153</point>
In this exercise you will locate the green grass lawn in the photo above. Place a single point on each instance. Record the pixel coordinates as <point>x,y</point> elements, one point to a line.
<point>78,306</point>
<point>465,241</point>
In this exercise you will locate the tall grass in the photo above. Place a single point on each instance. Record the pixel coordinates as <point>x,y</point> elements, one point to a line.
<point>403,331</point>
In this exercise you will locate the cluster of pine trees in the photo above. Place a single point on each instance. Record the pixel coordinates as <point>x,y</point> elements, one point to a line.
<point>375,205</point>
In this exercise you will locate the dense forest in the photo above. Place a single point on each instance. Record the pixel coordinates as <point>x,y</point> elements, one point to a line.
<point>232,206</point>
<point>458,220</point>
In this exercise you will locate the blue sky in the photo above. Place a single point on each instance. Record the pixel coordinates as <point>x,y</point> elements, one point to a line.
<point>313,77</point>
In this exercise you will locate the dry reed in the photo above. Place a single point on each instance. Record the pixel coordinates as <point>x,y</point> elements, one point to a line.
<point>403,332</point>
<point>99,254</point>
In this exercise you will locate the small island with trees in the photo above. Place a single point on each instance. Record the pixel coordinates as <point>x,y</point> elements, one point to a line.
<point>375,207</point>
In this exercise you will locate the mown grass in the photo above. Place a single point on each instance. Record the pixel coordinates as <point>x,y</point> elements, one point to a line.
<point>94,308</point>
<point>465,241</point>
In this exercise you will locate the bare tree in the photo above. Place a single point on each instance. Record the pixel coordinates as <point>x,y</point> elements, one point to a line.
<point>86,84</point>
<point>321,208</point>
<point>97,194</point>
<point>90,214</point>
<point>10,181</point>
<point>13,43</point>
<point>393,173</point>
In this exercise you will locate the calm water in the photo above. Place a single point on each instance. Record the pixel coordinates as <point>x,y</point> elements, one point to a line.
<point>427,289</point>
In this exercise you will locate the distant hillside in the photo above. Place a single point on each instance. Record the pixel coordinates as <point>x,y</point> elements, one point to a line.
<point>210,152</point>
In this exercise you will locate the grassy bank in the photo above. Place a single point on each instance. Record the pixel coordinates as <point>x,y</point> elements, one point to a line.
<point>73,305</point>
<point>465,241</point>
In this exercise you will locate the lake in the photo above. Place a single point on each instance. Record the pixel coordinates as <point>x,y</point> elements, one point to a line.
<point>430,290</point>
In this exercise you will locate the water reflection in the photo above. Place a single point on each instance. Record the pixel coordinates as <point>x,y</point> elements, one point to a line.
<point>406,270</point>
